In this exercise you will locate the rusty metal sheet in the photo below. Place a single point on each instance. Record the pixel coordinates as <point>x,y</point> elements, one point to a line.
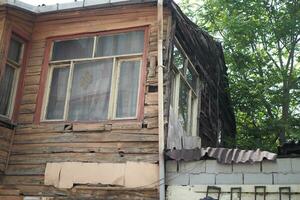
<point>222,155</point>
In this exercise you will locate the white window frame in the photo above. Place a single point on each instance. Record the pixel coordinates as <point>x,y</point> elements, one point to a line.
<point>192,104</point>
<point>17,66</point>
<point>117,60</point>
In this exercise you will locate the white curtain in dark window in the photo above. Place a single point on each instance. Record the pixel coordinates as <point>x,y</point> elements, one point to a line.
<point>72,49</point>
<point>6,88</point>
<point>57,95</point>
<point>124,43</point>
<point>90,91</point>
<point>128,89</point>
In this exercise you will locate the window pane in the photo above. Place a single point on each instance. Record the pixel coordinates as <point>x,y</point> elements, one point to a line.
<point>6,89</point>
<point>71,49</point>
<point>124,43</point>
<point>128,89</point>
<point>183,104</point>
<point>178,58</point>
<point>14,52</point>
<point>57,95</point>
<point>90,90</point>
<point>191,77</point>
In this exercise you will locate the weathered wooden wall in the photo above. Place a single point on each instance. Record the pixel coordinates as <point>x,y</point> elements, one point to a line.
<point>2,36</point>
<point>9,20</point>
<point>5,143</point>
<point>35,145</point>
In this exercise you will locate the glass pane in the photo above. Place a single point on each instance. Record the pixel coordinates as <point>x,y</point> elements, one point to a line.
<point>124,43</point>
<point>6,89</point>
<point>191,77</point>
<point>128,89</point>
<point>183,104</point>
<point>57,95</point>
<point>178,58</point>
<point>72,49</point>
<point>90,90</point>
<point>14,52</point>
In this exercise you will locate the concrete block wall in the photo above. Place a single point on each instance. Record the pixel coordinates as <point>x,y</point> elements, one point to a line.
<point>210,172</point>
<point>247,193</point>
<point>191,180</point>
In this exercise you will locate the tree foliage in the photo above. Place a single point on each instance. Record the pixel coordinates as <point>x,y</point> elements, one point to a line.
<point>261,45</point>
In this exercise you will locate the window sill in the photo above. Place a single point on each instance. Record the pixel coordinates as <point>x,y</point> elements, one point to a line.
<point>111,121</point>
<point>108,125</point>
<point>6,122</point>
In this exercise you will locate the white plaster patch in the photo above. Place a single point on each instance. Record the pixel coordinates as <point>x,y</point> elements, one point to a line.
<point>130,174</point>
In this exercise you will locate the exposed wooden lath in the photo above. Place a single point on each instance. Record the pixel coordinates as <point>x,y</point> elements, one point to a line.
<point>206,54</point>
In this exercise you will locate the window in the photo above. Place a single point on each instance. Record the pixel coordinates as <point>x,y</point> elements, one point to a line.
<point>95,78</point>
<point>184,82</point>
<point>9,77</point>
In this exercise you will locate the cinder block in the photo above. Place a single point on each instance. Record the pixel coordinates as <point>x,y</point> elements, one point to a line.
<point>258,178</point>
<point>171,166</point>
<point>95,2</point>
<point>75,4</point>
<point>177,179</point>
<point>280,178</point>
<point>192,167</point>
<point>202,179</point>
<point>212,166</point>
<point>229,179</point>
<point>247,167</point>
<point>280,165</point>
<point>295,164</point>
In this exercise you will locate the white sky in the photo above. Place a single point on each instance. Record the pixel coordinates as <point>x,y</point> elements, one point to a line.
<point>49,2</point>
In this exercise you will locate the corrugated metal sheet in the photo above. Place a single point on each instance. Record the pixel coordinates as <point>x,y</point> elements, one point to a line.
<point>222,155</point>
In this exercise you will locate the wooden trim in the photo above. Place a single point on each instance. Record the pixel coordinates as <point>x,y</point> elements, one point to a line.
<point>46,62</point>
<point>42,85</point>
<point>69,89</point>
<point>143,75</point>
<point>97,33</point>
<point>123,56</point>
<point>26,53</point>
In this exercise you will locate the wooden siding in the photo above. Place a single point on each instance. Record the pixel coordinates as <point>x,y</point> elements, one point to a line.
<point>21,23</point>
<point>6,135</point>
<point>2,38</point>
<point>112,142</point>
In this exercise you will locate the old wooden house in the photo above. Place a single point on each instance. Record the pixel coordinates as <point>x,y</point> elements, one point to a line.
<point>93,92</point>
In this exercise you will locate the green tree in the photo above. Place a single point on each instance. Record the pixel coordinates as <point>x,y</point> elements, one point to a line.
<point>261,46</point>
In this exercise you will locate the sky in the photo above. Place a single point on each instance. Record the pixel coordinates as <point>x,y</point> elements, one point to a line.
<point>49,2</point>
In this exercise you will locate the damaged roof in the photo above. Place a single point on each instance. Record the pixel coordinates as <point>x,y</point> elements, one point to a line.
<point>222,155</point>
